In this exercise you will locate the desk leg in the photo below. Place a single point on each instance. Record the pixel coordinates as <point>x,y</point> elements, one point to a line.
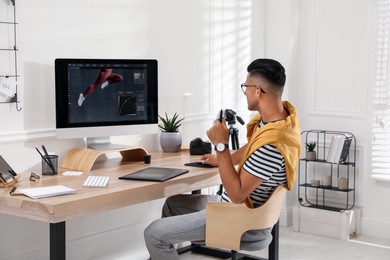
<point>57,241</point>
<point>273,248</point>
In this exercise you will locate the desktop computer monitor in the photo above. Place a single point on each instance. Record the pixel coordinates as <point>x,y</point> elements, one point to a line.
<point>99,98</point>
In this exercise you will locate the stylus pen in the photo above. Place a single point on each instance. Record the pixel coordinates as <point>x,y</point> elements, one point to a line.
<point>12,172</point>
<point>43,157</point>
<point>220,115</point>
<point>48,158</point>
<point>13,193</point>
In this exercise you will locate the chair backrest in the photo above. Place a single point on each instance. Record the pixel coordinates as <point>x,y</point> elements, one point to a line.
<point>226,222</point>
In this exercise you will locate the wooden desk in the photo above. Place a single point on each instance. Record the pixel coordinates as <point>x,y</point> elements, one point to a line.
<point>118,193</point>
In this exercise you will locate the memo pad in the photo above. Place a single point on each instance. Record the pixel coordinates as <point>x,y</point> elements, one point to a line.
<point>159,174</point>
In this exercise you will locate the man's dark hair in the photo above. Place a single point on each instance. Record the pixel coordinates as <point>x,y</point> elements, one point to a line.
<point>270,70</point>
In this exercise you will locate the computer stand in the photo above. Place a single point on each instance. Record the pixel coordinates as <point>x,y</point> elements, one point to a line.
<point>83,159</point>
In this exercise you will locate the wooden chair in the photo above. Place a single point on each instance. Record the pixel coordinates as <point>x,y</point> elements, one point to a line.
<point>226,222</point>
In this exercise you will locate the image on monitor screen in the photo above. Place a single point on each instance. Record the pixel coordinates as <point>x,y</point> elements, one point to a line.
<point>101,98</point>
<point>106,94</point>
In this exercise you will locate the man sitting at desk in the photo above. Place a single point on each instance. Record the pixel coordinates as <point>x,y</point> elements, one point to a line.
<point>268,160</point>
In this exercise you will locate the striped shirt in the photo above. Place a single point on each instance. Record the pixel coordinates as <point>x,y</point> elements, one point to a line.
<point>268,164</point>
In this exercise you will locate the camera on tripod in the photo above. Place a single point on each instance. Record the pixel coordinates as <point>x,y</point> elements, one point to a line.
<point>230,117</point>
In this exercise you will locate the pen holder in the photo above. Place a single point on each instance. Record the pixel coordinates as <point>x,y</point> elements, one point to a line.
<point>147,159</point>
<point>46,168</point>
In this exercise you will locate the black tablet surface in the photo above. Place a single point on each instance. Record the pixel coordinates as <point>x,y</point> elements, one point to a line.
<point>198,164</point>
<point>159,174</point>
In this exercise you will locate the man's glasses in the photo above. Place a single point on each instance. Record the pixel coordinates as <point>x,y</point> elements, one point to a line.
<point>34,176</point>
<point>244,86</point>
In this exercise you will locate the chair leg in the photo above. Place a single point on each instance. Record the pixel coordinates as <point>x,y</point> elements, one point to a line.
<point>241,256</point>
<point>273,248</point>
<point>234,255</point>
<point>205,250</point>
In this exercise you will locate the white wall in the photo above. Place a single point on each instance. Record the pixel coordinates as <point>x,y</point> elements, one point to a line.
<point>281,43</point>
<point>203,48</point>
<point>335,81</point>
<point>329,49</point>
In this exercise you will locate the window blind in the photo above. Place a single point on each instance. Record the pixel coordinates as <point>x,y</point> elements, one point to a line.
<point>381,97</point>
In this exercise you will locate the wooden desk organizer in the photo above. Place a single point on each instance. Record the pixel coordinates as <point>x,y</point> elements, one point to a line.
<point>83,159</point>
<point>9,182</point>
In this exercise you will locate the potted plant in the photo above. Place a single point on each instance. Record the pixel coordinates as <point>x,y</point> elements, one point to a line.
<point>170,138</point>
<point>310,153</point>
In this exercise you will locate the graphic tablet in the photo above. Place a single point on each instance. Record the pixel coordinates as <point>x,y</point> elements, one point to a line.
<point>158,174</point>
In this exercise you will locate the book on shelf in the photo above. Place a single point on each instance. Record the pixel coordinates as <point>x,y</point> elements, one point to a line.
<point>339,148</point>
<point>345,150</point>
<point>333,148</point>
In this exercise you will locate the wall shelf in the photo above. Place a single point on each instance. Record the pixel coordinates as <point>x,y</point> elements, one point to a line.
<point>317,196</point>
<point>14,50</point>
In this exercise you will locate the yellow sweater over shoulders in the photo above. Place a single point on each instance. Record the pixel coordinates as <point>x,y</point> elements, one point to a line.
<point>285,135</point>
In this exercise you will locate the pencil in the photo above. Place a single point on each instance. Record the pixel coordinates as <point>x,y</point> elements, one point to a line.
<point>48,158</point>
<point>48,163</point>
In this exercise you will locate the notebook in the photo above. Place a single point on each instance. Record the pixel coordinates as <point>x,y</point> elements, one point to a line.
<point>159,174</point>
<point>44,192</point>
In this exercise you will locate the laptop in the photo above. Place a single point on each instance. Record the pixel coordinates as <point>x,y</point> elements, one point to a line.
<point>157,174</point>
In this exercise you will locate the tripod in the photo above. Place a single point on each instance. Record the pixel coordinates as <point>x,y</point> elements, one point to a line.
<point>233,136</point>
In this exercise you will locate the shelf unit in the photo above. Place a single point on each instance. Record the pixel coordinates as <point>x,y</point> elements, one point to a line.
<point>14,50</point>
<point>317,196</point>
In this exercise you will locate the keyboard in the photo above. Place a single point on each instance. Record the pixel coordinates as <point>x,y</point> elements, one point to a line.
<point>96,181</point>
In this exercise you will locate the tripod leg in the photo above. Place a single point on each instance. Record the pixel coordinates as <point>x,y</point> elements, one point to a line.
<point>233,143</point>
<point>219,192</point>
<point>237,146</point>
<point>234,138</point>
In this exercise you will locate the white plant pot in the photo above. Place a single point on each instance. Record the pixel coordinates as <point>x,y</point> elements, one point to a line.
<point>311,156</point>
<point>170,141</point>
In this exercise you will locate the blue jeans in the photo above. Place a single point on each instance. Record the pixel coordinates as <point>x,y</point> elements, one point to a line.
<point>184,219</point>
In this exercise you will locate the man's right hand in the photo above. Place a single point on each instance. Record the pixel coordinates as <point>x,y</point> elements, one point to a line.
<point>209,159</point>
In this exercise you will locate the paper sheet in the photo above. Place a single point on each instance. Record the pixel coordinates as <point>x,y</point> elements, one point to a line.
<point>70,173</point>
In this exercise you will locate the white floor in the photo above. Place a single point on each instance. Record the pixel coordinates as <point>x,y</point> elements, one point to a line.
<point>295,245</point>
<point>302,246</point>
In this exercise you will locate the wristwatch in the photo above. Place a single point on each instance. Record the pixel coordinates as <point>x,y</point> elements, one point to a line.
<point>220,147</point>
